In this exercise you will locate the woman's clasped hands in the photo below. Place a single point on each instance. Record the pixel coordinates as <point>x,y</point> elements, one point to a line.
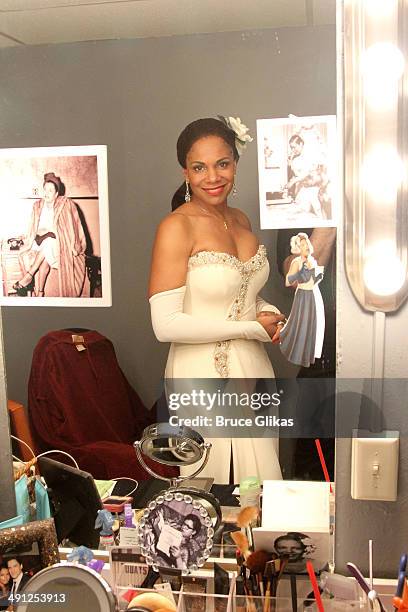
<point>272,324</point>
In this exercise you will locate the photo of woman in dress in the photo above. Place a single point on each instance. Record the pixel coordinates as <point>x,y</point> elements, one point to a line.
<point>301,339</point>
<point>206,274</point>
<point>55,240</point>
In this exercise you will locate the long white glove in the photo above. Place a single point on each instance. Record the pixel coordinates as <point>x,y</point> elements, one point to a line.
<point>262,305</point>
<point>171,324</point>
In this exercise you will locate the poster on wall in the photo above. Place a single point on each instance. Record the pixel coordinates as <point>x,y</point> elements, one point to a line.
<point>297,172</point>
<point>54,227</point>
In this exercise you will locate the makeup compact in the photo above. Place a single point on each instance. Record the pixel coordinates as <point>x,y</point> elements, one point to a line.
<point>66,586</point>
<point>176,529</point>
<point>116,503</point>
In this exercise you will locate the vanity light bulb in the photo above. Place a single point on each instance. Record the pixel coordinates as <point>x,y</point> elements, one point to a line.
<point>383,63</point>
<point>382,173</point>
<point>380,8</point>
<point>380,96</point>
<point>384,273</point>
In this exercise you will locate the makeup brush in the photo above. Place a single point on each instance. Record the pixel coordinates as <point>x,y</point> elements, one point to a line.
<point>257,560</point>
<point>241,541</point>
<point>239,557</point>
<point>269,573</point>
<point>247,515</point>
<point>283,562</point>
<point>256,564</point>
<point>245,518</point>
<point>249,599</point>
<point>293,592</point>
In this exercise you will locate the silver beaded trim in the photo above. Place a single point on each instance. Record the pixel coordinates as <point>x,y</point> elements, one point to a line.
<point>203,258</point>
<point>247,269</point>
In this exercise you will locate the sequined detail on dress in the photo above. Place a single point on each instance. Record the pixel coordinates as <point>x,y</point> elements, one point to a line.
<point>247,269</point>
<point>203,258</point>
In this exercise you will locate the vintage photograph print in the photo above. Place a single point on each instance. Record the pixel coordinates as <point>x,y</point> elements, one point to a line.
<point>54,227</point>
<point>297,172</point>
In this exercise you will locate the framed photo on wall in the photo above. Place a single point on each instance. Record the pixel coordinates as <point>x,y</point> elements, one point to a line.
<point>297,172</point>
<point>54,227</point>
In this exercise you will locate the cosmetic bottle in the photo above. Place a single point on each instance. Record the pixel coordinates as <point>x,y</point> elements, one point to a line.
<point>249,492</point>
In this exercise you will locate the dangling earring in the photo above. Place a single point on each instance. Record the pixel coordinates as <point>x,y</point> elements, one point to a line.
<point>187,197</point>
<point>234,189</point>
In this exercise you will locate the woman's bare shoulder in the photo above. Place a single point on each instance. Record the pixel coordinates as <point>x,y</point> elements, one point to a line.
<point>241,217</point>
<point>175,227</point>
<point>175,219</point>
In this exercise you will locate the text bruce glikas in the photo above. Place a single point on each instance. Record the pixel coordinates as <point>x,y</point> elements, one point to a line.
<point>222,399</point>
<point>234,422</point>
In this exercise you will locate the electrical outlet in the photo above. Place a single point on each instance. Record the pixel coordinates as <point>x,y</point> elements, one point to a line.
<point>374,467</point>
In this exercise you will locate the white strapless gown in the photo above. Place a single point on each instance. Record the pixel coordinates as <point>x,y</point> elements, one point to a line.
<point>221,287</point>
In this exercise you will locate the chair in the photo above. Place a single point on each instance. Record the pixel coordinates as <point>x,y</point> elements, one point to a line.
<point>80,402</point>
<point>20,428</point>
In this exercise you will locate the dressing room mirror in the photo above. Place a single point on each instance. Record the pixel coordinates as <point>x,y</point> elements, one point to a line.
<point>68,585</point>
<point>134,88</point>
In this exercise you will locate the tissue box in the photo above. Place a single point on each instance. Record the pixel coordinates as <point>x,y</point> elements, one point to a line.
<point>296,523</point>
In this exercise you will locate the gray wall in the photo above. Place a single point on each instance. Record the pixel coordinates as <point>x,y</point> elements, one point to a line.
<point>358,521</point>
<point>136,96</point>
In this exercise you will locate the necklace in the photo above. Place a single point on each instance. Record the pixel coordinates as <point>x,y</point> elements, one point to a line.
<point>207,213</point>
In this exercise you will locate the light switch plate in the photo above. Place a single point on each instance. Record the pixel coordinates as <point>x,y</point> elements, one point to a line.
<point>374,466</point>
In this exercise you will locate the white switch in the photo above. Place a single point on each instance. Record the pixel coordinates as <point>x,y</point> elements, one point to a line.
<point>374,467</point>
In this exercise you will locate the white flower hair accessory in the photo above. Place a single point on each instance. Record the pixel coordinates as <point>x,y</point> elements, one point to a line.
<point>310,547</point>
<point>240,130</point>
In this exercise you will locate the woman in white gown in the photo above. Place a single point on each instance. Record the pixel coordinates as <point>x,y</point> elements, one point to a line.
<point>207,270</point>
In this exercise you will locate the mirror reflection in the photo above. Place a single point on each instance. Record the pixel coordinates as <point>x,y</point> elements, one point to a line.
<point>67,586</point>
<point>136,96</point>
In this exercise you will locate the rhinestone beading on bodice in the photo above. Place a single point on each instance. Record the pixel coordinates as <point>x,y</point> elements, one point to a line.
<point>247,269</point>
<point>203,258</point>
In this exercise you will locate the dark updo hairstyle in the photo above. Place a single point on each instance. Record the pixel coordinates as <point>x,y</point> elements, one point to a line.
<point>296,138</point>
<point>50,177</point>
<point>193,132</point>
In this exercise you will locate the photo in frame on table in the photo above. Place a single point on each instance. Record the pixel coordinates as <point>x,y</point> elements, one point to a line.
<point>298,547</point>
<point>54,227</point>
<point>24,551</point>
<point>297,172</point>
<point>175,531</point>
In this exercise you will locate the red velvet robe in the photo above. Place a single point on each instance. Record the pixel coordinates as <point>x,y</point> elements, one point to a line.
<point>80,402</point>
